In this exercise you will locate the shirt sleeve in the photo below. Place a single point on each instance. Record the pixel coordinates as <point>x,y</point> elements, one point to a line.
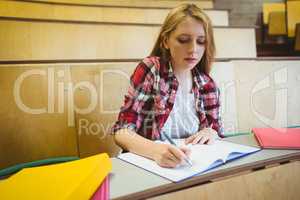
<point>132,113</point>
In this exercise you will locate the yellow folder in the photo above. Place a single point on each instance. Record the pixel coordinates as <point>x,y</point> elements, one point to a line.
<point>71,180</point>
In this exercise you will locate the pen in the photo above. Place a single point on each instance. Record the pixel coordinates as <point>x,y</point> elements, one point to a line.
<point>186,159</point>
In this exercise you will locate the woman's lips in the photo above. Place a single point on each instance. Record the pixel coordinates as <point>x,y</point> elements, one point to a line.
<point>190,60</point>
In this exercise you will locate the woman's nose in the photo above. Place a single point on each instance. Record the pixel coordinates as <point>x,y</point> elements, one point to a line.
<point>192,47</point>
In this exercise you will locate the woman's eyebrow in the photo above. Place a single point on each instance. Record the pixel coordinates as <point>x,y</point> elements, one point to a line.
<point>189,35</point>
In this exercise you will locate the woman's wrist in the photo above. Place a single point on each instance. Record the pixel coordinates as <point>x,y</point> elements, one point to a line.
<point>153,150</point>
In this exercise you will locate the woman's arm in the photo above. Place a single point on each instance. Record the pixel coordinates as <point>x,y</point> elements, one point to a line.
<point>165,155</point>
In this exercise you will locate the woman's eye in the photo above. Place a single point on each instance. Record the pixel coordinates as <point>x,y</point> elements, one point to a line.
<point>187,40</point>
<point>183,40</point>
<point>201,41</point>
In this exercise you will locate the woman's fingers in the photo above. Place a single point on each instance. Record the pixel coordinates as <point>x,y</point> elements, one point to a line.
<point>205,136</point>
<point>203,140</point>
<point>196,139</point>
<point>190,139</point>
<point>168,163</point>
<point>174,157</point>
<point>186,150</point>
<point>210,141</point>
<point>178,153</point>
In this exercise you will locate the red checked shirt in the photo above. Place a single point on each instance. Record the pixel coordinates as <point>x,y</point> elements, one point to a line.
<point>151,97</point>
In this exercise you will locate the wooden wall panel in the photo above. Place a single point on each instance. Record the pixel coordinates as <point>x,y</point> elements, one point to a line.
<point>281,182</point>
<point>40,131</point>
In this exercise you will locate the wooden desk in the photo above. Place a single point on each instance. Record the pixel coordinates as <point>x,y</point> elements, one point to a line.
<point>268,174</point>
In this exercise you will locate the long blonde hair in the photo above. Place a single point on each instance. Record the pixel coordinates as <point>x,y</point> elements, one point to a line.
<point>177,15</point>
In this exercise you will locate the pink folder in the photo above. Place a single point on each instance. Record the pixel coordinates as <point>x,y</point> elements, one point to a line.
<point>102,193</point>
<point>278,138</point>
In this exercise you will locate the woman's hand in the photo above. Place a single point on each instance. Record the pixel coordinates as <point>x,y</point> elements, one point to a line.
<point>166,155</point>
<point>204,136</point>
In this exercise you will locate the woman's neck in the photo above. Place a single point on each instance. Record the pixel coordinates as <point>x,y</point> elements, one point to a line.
<point>185,79</point>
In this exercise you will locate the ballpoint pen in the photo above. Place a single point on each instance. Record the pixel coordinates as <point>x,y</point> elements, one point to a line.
<point>186,159</point>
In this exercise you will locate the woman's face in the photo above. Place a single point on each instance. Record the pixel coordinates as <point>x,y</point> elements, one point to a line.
<point>186,44</point>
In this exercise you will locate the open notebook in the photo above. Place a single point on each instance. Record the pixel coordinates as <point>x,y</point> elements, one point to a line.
<point>203,157</point>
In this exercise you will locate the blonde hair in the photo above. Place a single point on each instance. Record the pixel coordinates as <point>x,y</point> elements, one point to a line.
<point>177,15</point>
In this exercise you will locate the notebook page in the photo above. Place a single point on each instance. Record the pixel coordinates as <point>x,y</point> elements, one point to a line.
<point>208,153</point>
<point>234,150</point>
<point>202,157</point>
<point>222,150</point>
<point>175,174</point>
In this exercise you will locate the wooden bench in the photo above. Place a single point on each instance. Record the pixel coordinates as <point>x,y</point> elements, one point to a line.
<point>254,93</point>
<point>132,3</point>
<point>65,12</point>
<point>267,93</point>
<point>45,40</point>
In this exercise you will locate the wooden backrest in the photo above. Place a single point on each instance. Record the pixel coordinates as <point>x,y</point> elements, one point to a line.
<point>271,7</point>
<point>134,3</point>
<point>293,16</point>
<point>104,97</point>
<point>297,37</point>
<point>33,114</point>
<point>253,94</point>
<point>267,93</point>
<point>223,74</point>
<point>277,23</point>
<point>36,40</point>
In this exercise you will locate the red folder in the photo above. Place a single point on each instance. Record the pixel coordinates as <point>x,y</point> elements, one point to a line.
<point>278,138</point>
<point>102,193</point>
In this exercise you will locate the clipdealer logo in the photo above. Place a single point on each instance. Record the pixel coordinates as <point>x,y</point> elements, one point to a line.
<point>67,89</point>
<point>277,82</point>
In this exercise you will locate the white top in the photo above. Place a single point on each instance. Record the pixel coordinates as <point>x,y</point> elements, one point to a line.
<point>182,121</point>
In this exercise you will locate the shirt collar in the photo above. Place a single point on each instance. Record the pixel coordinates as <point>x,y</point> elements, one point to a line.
<point>199,78</point>
<point>167,70</point>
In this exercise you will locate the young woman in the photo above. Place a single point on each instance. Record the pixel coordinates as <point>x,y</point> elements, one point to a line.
<point>171,91</point>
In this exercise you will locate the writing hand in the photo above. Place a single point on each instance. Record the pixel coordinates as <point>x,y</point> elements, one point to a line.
<point>166,155</point>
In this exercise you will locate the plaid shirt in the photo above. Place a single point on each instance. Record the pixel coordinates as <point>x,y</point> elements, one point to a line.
<point>151,97</point>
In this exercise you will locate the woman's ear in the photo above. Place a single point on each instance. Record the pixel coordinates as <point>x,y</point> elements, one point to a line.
<point>165,43</point>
